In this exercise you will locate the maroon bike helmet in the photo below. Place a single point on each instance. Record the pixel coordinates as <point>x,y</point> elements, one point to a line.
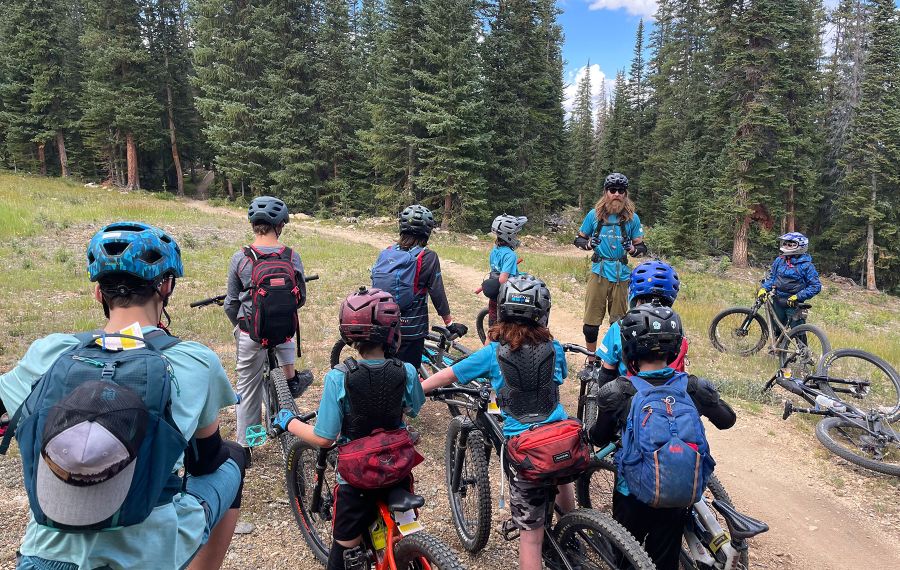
<point>371,315</point>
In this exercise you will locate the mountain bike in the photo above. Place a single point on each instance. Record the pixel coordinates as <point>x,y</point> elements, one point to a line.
<point>276,394</point>
<point>583,538</point>
<point>396,541</point>
<point>745,330</point>
<point>864,432</point>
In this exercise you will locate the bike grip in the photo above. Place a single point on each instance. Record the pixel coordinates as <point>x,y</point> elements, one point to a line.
<point>306,417</point>
<point>308,278</point>
<point>203,303</point>
<point>611,447</point>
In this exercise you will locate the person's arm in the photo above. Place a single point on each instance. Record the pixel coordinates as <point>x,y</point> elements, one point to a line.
<point>476,365</point>
<point>301,284</point>
<point>415,395</point>
<point>430,279</point>
<point>439,379</point>
<point>582,240</point>
<point>232,302</point>
<point>710,404</point>
<point>636,237</point>
<point>611,402</point>
<point>329,417</point>
<point>813,285</point>
<point>504,277</point>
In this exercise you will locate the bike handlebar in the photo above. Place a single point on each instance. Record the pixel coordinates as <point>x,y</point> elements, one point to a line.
<point>220,299</point>
<point>481,392</point>
<point>306,417</point>
<point>570,347</point>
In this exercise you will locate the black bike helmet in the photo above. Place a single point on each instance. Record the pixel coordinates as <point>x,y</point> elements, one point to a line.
<point>616,180</point>
<point>650,332</point>
<point>269,210</point>
<point>524,298</point>
<point>417,220</point>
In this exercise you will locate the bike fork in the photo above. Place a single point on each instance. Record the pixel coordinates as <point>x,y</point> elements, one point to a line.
<point>459,457</point>
<point>316,502</point>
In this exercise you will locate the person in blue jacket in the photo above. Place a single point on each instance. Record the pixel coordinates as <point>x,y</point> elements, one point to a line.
<point>792,280</point>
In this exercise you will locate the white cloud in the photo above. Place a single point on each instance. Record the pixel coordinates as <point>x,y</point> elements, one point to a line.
<point>645,8</point>
<point>598,84</point>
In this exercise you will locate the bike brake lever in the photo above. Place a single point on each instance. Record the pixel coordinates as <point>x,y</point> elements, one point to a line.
<point>788,409</point>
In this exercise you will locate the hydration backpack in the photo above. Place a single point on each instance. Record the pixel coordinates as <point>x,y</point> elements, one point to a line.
<point>397,272</point>
<point>665,456</point>
<point>113,409</point>
<point>274,295</point>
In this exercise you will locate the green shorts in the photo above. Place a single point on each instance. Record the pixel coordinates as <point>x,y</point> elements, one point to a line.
<point>602,297</point>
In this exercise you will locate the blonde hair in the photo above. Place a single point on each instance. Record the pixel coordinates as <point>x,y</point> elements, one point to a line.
<point>603,213</point>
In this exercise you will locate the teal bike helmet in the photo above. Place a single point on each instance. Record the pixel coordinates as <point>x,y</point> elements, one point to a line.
<point>134,248</point>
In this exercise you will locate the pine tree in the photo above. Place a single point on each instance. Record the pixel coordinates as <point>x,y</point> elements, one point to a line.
<point>617,136</point>
<point>871,182</point>
<point>449,104</point>
<point>638,125</point>
<point>581,134</point>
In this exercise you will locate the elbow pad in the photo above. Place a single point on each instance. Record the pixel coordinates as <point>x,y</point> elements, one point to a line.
<point>204,456</point>
<point>607,375</point>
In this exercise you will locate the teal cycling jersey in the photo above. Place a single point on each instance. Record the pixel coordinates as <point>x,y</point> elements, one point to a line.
<point>504,260</point>
<point>609,248</point>
<point>610,349</point>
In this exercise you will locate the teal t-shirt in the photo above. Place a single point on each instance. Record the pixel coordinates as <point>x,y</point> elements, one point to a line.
<point>504,260</point>
<point>610,247</point>
<point>610,348</point>
<point>172,533</point>
<point>483,364</point>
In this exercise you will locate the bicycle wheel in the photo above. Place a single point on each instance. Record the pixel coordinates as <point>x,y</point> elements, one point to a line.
<point>738,330</point>
<point>590,403</point>
<point>855,444</point>
<point>480,322</point>
<point>872,382</point>
<point>594,488</point>
<point>335,357</point>
<point>283,400</point>
<point>592,539</point>
<point>300,476</point>
<point>801,348</point>
<point>421,550</point>
<point>470,506</point>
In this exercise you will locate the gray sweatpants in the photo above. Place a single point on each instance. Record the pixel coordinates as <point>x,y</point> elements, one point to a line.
<point>251,358</point>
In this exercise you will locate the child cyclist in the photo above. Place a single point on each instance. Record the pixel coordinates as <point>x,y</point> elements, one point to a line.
<point>92,462</point>
<point>268,217</point>
<point>645,408</point>
<point>792,279</point>
<point>654,282</point>
<point>361,396</point>
<point>526,368</point>
<point>411,273</point>
<point>503,259</point>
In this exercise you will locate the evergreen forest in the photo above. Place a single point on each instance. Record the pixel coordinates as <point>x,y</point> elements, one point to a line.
<point>736,121</point>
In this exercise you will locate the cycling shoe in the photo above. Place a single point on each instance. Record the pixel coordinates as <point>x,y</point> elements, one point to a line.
<point>300,382</point>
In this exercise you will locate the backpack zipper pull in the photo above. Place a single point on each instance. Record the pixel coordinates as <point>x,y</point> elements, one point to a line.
<point>649,411</point>
<point>668,401</point>
<point>90,361</point>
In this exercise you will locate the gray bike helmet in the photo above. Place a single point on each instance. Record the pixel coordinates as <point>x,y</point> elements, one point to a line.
<point>506,227</point>
<point>616,180</point>
<point>269,210</point>
<point>416,220</point>
<point>524,297</point>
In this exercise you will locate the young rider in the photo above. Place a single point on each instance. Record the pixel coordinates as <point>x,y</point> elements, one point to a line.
<point>520,339</point>
<point>792,279</point>
<point>611,230</point>
<point>416,224</point>
<point>268,216</point>
<point>134,266</point>
<point>359,397</point>
<point>651,339</point>
<point>654,282</point>
<point>503,259</point>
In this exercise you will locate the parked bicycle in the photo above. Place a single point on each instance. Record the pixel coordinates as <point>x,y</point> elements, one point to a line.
<point>583,538</point>
<point>858,395</point>
<point>746,330</point>
<point>276,394</point>
<point>396,541</point>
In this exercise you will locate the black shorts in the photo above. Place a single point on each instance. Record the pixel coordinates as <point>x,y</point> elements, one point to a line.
<point>355,510</point>
<point>411,351</point>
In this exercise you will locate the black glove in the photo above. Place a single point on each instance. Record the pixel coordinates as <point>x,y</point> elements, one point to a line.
<point>595,241</point>
<point>582,242</point>
<point>640,250</point>
<point>458,329</point>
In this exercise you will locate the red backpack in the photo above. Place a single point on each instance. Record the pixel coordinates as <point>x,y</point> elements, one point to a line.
<point>274,297</point>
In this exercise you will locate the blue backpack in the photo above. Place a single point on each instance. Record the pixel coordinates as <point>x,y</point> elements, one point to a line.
<point>396,272</point>
<point>146,375</point>
<point>665,456</point>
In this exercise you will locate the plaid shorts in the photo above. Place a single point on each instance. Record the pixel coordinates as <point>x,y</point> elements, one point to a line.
<point>528,503</point>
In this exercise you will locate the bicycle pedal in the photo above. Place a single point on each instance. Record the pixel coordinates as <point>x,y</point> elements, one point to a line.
<point>256,435</point>
<point>355,559</point>
<point>509,530</point>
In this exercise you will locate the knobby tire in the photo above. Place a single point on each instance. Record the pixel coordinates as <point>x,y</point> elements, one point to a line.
<point>475,484</point>
<point>842,428</point>
<point>619,548</point>
<point>412,549</point>
<point>892,378</point>
<point>300,477</point>
<point>804,364</point>
<point>718,337</point>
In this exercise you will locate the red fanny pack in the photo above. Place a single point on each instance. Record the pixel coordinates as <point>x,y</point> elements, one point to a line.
<point>381,459</point>
<point>550,451</point>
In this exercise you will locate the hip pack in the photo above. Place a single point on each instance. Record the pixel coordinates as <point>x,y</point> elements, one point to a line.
<point>665,457</point>
<point>379,460</point>
<point>554,451</point>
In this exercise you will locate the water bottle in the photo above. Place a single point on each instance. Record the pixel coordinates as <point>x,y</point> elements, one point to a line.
<point>823,402</point>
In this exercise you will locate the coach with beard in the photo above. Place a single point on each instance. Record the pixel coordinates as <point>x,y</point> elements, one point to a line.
<point>611,230</point>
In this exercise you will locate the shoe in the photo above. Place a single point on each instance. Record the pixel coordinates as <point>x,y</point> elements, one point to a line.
<point>299,383</point>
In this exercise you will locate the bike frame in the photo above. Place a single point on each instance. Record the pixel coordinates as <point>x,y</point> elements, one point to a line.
<point>771,319</point>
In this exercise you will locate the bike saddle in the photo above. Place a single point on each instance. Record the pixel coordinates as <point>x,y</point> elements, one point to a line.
<point>399,499</point>
<point>739,525</point>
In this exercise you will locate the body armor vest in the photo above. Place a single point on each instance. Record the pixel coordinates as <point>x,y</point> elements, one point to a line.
<point>529,392</point>
<point>374,396</point>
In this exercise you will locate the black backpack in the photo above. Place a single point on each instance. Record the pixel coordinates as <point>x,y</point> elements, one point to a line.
<point>274,296</point>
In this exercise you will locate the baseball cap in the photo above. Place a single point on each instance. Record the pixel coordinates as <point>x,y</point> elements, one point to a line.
<point>89,448</point>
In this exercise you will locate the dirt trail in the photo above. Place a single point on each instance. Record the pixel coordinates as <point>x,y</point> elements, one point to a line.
<point>770,474</point>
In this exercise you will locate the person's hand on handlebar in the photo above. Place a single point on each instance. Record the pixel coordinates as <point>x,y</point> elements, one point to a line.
<point>458,329</point>
<point>281,421</point>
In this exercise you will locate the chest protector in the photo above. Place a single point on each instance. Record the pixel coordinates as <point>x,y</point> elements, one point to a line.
<point>529,392</point>
<point>374,395</point>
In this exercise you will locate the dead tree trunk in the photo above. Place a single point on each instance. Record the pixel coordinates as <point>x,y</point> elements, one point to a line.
<point>42,159</point>
<point>63,159</point>
<point>230,187</point>
<point>870,241</point>
<point>176,159</point>
<point>131,159</point>
<point>790,215</point>
<point>445,216</point>
<point>741,234</point>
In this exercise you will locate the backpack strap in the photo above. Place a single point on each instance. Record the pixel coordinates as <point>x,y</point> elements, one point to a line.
<point>640,384</point>
<point>160,340</point>
<point>10,429</point>
<point>416,289</point>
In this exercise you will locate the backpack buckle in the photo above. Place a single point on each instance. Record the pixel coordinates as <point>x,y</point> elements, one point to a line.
<point>109,370</point>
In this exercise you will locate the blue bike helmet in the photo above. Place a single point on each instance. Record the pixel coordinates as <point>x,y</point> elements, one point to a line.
<point>653,278</point>
<point>793,243</point>
<point>134,248</point>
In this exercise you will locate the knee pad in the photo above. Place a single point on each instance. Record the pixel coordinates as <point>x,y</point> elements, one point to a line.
<point>237,454</point>
<point>591,332</point>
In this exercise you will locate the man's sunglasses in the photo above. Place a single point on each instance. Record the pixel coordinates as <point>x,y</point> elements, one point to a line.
<point>617,190</point>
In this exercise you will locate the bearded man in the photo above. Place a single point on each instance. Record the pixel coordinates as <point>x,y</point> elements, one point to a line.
<point>611,230</point>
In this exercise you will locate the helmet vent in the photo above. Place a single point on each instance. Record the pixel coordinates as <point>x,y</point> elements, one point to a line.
<point>115,248</point>
<point>123,228</point>
<point>151,256</point>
